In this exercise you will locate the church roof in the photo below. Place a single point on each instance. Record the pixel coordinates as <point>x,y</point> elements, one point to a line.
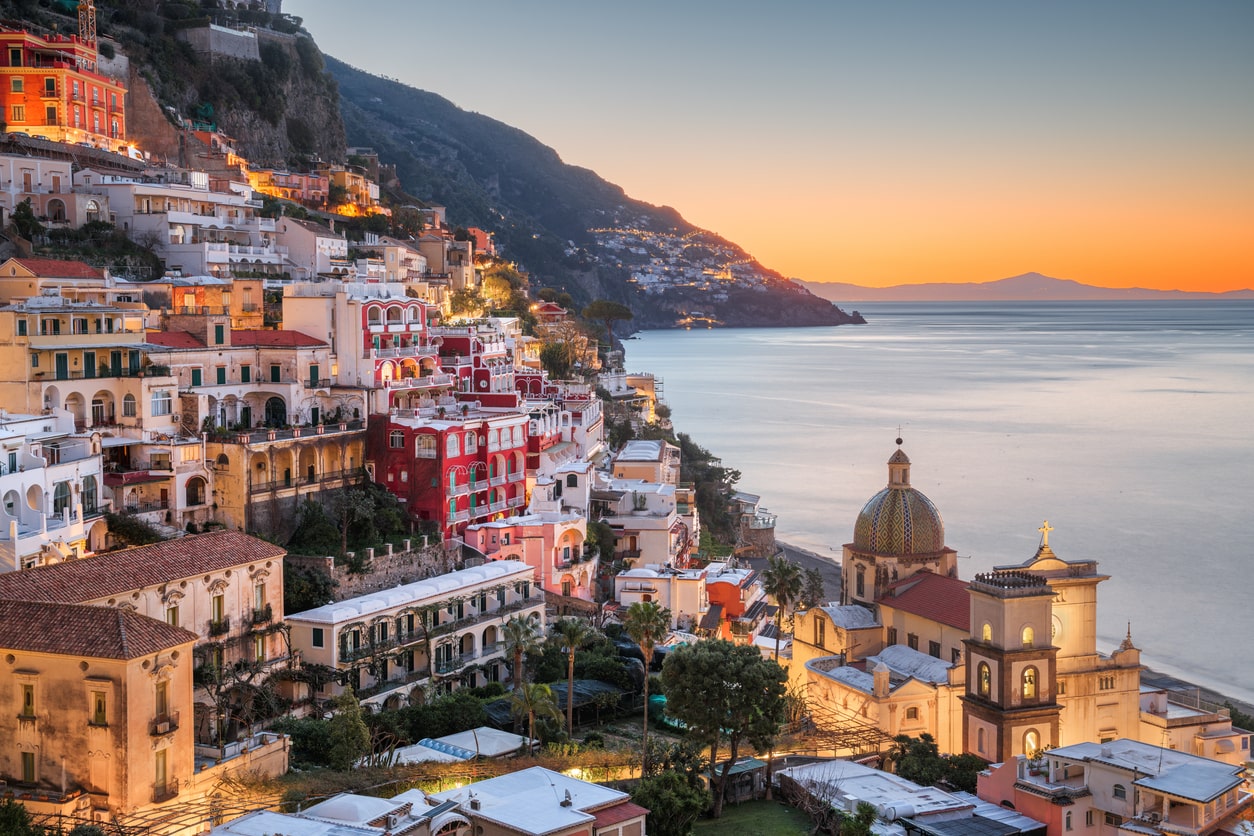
<point>899,520</point>
<point>935,597</point>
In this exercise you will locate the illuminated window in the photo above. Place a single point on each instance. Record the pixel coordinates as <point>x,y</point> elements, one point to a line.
<point>1029,635</point>
<point>172,616</point>
<point>1029,683</point>
<point>99,708</point>
<point>1031,743</point>
<point>161,701</point>
<point>985,679</point>
<point>986,632</point>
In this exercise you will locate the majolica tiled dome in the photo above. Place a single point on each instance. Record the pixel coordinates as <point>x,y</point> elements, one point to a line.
<point>899,520</point>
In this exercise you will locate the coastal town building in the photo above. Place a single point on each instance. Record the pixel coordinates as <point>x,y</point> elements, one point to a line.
<point>52,486</point>
<point>1120,787</point>
<point>444,632</point>
<point>51,87</point>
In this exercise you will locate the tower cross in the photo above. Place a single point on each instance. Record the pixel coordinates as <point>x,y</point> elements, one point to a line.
<point>1045,529</point>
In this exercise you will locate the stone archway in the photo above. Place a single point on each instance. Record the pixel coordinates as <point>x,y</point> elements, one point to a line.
<point>276,412</point>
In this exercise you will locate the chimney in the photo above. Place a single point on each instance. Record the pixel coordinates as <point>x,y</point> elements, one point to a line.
<point>566,802</point>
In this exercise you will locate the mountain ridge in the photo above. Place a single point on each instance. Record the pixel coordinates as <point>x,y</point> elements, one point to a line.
<point>1026,287</point>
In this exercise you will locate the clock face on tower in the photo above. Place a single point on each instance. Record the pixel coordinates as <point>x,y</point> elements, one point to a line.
<point>1056,628</point>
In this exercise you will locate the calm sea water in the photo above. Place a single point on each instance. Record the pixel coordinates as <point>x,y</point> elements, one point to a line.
<point>1129,426</point>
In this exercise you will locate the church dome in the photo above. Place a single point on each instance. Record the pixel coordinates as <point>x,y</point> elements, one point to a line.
<point>899,520</point>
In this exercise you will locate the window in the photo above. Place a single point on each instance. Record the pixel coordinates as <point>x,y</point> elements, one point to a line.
<point>15,57</point>
<point>1088,818</point>
<point>1060,687</point>
<point>984,680</point>
<point>245,373</point>
<point>1105,683</point>
<point>1031,743</point>
<point>396,439</point>
<point>50,86</point>
<point>128,406</point>
<point>1120,791</point>
<point>15,84</point>
<point>21,327</point>
<point>50,115</point>
<point>955,656</point>
<point>259,596</point>
<point>162,402</point>
<point>99,706</point>
<point>1112,820</point>
<point>986,632</point>
<point>218,607</point>
<point>161,701</point>
<point>220,372</point>
<point>319,639</point>
<point>472,443</point>
<point>820,627</point>
<point>28,699</point>
<point>861,581</point>
<point>979,740</point>
<point>314,375</point>
<point>912,640</point>
<point>912,713</point>
<point>219,334</point>
<point>28,767</point>
<point>933,649</point>
<point>172,616</point>
<point>1029,683</point>
<point>451,448</point>
<point>259,648</point>
<point>19,113</point>
<point>892,635</point>
<point>197,377</point>
<point>1029,635</point>
<point>275,374</point>
<point>1067,821</point>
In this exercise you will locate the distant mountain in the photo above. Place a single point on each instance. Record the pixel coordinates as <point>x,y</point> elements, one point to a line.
<point>568,227</point>
<point>1030,287</point>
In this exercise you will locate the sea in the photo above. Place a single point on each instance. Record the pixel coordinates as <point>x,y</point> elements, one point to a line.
<point>1128,426</point>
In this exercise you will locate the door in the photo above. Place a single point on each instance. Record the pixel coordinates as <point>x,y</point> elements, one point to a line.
<point>63,366</point>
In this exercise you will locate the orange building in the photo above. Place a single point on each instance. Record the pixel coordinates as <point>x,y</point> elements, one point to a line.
<point>51,89</point>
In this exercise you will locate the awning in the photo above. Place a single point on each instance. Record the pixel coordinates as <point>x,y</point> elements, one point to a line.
<point>711,619</point>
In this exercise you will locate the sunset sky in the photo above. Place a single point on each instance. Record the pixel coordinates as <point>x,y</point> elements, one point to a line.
<point>875,143</point>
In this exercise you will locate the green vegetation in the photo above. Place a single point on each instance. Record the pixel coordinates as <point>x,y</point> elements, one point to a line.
<point>352,520</point>
<point>755,818</point>
<point>305,588</point>
<point>723,690</point>
<point>673,804</point>
<point>128,530</point>
<point>919,759</point>
<point>647,624</point>
<point>783,581</point>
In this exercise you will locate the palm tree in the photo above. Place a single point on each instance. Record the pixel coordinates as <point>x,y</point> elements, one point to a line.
<point>782,581</point>
<point>531,700</point>
<point>571,634</point>
<point>521,637</point>
<point>646,623</point>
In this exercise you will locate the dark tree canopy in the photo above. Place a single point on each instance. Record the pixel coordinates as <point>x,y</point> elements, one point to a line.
<point>723,690</point>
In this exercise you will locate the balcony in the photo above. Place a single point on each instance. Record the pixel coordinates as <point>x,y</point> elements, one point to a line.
<point>497,481</point>
<point>164,791</point>
<point>163,724</point>
<point>458,517</point>
<point>262,436</point>
<point>318,382</point>
<point>220,627</point>
<point>402,351</point>
<point>263,615</point>
<point>516,501</point>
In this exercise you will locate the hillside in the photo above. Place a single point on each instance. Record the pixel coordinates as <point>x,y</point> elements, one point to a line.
<point>570,228</point>
<point>1029,287</point>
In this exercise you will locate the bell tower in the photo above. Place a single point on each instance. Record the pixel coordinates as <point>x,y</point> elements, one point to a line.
<point>1010,707</point>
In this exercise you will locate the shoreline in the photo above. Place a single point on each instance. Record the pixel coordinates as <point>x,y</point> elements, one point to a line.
<point>830,568</point>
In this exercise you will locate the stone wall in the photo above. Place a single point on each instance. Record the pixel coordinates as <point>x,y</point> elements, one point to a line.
<point>220,42</point>
<point>385,568</point>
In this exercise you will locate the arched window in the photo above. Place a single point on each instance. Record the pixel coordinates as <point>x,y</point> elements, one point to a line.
<point>986,632</point>
<point>373,316</point>
<point>572,481</point>
<point>60,497</point>
<point>196,491</point>
<point>979,740</point>
<point>985,679</point>
<point>128,406</point>
<point>1029,635</point>
<point>1029,683</point>
<point>472,443</point>
<point>396,439</point>
<point>450,446</point>
<point>91,495</point>
<point>1031,743</point>
<point>861,581</point>
<point>1120,791</point>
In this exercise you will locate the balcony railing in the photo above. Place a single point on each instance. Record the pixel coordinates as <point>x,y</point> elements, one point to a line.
<point>262,436</point>
<point>164,791</point>
<point>220,627</point>
<point>263,615</point>
<point>410,677</point>
<point>164,724</point>
<point>516,501</point>
<point>458,516</point>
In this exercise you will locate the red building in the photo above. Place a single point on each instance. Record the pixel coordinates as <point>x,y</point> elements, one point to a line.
<point>51,89</point>
<point>465,465</point>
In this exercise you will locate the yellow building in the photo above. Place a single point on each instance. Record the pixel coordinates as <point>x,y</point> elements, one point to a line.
<point>94,708</point>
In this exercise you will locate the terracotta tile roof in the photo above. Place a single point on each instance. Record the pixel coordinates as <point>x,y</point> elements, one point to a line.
<point>935,597</point>
<point>112,573</point>
<point>72,630</point>
<point>621,812</point>
<point>57,268</point>
<point>174,339</point>
<point>280,339</point>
